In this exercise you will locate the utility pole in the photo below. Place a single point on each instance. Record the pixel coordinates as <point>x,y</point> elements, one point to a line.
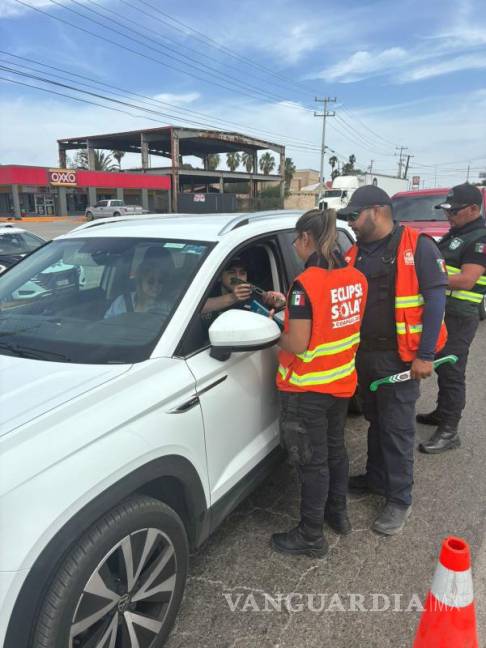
<point>324,115</point>
<point>407,165</point>
<point>400,160</point>
<point>435,176</point>
<point>370,168</point>
<point>467,173</point>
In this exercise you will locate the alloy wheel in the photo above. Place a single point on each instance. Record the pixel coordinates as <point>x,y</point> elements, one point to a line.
<point>126,598</point>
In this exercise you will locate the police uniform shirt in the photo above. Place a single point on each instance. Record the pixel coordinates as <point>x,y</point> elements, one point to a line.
<point>299,305</point>
<point>474,252</point>
<point>431,273</point>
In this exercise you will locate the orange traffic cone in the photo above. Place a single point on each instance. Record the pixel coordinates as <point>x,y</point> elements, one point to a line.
<point>449,618</point>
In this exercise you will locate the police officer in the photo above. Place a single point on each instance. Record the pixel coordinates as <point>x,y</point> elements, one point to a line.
<point>316,377</point>
<point>402,329</point>
<point>464,250</point>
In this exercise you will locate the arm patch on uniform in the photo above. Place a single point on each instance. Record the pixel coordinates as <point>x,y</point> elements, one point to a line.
<point>480,248</point>
<point>297,298</point>
<point>442,265</point>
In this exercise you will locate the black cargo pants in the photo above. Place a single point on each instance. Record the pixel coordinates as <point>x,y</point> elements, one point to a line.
<point>317,426</point>
<point>390,412</point>
<point>451,399</point>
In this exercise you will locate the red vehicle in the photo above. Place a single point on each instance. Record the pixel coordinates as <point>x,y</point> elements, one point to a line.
<point>417,208</point>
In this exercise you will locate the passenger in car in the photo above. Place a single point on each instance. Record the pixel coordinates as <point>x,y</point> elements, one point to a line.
<point>150,281</point>
<point>233,290</point>
<point>316,377</point>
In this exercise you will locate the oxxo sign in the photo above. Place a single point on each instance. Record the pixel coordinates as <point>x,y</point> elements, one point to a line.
<point>62,177</point>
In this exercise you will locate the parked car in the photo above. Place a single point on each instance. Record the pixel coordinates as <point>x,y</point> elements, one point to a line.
<point>106,208</point>
<point>15,244</point>
<point>126,440</point>
<point>417,209</point>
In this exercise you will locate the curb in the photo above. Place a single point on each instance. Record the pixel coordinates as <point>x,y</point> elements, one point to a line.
<point>44,219</point>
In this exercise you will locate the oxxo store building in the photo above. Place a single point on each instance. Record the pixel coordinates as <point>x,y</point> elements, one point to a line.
<point>42,191</point>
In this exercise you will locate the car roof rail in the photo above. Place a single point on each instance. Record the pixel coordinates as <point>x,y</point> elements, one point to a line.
<point>245,219</point>
<point>117,219</point>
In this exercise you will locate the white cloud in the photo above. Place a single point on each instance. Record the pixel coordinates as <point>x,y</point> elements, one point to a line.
<point>178,99</point>
<point>363,64</point>
<point>456,64</point>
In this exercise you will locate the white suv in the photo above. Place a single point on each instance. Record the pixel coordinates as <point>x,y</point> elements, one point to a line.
<point>125,436</point>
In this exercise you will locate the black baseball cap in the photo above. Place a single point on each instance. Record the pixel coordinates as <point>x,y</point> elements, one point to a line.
<point>461,196</point>
<point>236,262</point>
<point>366,196</point>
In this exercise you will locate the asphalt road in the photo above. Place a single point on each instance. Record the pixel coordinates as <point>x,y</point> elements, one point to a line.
<point>367,591</point>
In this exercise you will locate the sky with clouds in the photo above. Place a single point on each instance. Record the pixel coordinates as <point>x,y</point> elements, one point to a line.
<point>409,74</point>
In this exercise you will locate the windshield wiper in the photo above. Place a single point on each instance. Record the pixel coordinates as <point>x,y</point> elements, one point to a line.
<point>34,354</point>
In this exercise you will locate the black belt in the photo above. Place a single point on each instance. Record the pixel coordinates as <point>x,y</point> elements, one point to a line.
<point>378,344</point>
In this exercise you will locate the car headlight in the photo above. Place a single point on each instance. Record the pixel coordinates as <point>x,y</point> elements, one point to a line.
<point>2,268</point>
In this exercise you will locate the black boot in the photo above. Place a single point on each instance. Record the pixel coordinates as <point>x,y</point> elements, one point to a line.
<point>444,438</point>
<point>336,515</point>
<point>301,541</point>
<point>432,418</point>
<point>358,485</point>
<point>392,519</point>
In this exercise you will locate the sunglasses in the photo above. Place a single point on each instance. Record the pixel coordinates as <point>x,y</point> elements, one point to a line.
<point>456,210</point>
<point>353,216</point>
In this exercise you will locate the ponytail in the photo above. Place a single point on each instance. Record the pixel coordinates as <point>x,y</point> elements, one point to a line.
<point>321,225</point>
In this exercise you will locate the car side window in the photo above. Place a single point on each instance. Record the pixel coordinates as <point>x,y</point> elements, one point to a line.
<point>264,271</point>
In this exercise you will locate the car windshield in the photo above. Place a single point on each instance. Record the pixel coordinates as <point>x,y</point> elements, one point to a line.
<point>95,300</point>
<point>418,208</point>
<point>18,243</point>
<point>333,193</point>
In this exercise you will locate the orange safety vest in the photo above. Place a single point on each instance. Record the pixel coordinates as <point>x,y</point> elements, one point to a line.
<point>408,300</point>
<point>338,299</point>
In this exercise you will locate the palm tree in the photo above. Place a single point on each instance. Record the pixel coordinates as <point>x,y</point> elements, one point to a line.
<point>233,161</point>
<point>118,155</point>
<point>333,161</point>
<point>102,161</point>
<point>267,163</point>
<point>348,168</point>
<point>247,160</point>
<point>213,161</point>
<point>288,173</point>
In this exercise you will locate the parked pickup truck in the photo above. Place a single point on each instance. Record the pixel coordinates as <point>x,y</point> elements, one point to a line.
<point>105,208</point>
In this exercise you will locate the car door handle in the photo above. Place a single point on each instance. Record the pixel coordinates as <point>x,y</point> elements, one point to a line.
<point>186,406</point>
<point>194,400</point>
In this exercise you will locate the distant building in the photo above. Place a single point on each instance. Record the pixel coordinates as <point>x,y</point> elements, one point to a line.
<point>303,178</point>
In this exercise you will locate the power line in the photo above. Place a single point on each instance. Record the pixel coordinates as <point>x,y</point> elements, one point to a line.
<point>206,39</point>
<point>246,88</point>
<point>151,101</point>
<point>365,140</point>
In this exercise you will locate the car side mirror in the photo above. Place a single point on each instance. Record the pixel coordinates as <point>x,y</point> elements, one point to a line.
<point>239,330</point>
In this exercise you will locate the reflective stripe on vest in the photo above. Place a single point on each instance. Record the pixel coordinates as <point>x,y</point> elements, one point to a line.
<point>409,301</point>
<point>322,377</point>
<point>402,328</point>
<point>466,295</point>
<point>330,348</point>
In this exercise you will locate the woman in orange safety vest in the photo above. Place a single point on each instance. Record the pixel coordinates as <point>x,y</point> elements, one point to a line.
<point>316,377</point>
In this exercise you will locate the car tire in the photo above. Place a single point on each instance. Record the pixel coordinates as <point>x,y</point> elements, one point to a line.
<point>117,214</point>
<point>89,216</point>
<point>482,309</point>
<point>125,575</point>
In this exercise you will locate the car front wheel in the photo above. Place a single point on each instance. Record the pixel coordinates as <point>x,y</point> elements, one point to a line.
<point>121,584</point>
<point>89,216</point>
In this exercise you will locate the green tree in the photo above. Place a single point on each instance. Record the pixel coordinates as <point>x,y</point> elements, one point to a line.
<point>267,163</point>
<point>213,161</point>
<point>247,160</point>
<point>349,168</point>
<point>103,161</point>
<point>118,155</point>
<point>233,161</point>
<point>289,172</point>
<point>333,162</point>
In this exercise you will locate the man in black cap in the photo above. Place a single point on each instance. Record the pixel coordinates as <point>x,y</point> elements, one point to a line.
<point>464,250</point>
<point>402,329</point>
